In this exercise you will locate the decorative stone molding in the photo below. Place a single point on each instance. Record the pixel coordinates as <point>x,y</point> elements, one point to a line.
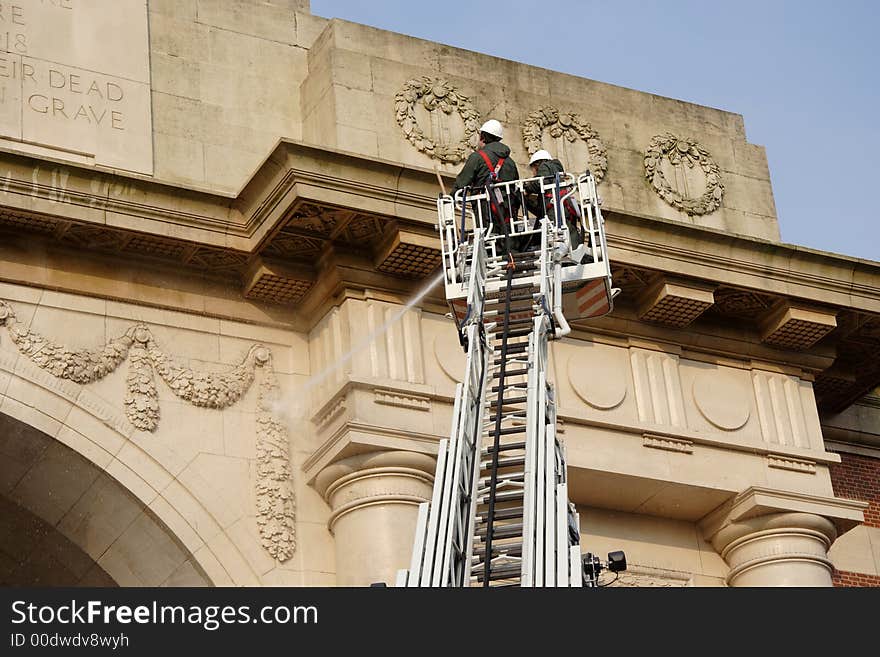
<point>722,399</point>
<point>374,499</point>
<point>274,282</point>
<point>781,549</point>
<point>568,126</point>
<point>640,576</point>
<point>796,327</point>
<point>81,366</point>
<point>779,538</point>
<point>448,352</point>
<point>409,254</point>
<point>401,400</point>
<point>688,152</point>
<point>276,505</point>
<point>435,94</point>
<point>673,303</point>
<point>218,390</point>
<point>789,463</point>
<point>667,443</point>
<point>142,399</point>
<point>597,377</point>
<point>333,411</point>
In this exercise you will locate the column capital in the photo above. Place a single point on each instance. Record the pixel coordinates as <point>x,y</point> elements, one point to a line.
<point>779,538</point>
<point>374,499</point>
<point>388,477</point>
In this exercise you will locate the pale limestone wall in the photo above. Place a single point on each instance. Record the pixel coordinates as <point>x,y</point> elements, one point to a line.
<point>657,438</point>
<point>664,441</point>
<point>859,423</point>
<point>231,78</point>
<point>660,552</point>
<point>198,471</point>
<point>858,551</point>
<point>225,81</point>
<point>731,424</point>
<point>348,102</point>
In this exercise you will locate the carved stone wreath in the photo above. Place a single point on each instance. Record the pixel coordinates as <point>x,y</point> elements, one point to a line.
<point>219,390</point>
<point>435,94</point>
<point>569,126</point>
<point>690,153</point>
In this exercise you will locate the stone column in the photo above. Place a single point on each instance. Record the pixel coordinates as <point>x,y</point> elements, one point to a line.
<point>778,549</point>
<point>375,498</point>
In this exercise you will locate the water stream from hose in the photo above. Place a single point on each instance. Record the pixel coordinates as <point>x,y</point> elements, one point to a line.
<point>289,407</point>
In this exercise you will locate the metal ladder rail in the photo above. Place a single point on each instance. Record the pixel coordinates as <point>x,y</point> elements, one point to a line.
<point>441,549</point>
<point>496,438</point>
<point>497,565</point>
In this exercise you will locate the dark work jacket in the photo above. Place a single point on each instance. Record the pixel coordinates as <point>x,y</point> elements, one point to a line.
<point>475,173</point>
<point>547,169</point>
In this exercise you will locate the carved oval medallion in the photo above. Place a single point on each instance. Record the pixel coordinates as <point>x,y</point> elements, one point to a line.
<point>598,377</point>
<point>435,95</point>
<point>683,155</point>
<point>569,127</point>
<point>722,400</point>
<point>447,351</point>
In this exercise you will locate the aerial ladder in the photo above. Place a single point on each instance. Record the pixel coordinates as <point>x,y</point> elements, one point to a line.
<point>499,514</point>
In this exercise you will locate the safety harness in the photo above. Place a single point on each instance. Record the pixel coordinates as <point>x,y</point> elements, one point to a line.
<point>496,200</point>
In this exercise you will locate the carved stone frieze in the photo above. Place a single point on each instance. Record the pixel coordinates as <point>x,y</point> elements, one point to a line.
<point>688,153</point>
<point>141,399</point>
<point>218,390</point>
<point>80,366</point>
<point>570,127</point>
<point>636,576</point>
<point>435,94</point>
<point>275,499</point>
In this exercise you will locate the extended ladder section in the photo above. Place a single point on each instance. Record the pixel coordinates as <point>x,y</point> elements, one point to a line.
<point>499,513</point>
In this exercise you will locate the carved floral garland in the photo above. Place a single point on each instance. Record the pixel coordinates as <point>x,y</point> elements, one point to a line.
<point>689,152</point>
<point>569,126</point>
<point>275,501</point>
<point>434,94</point>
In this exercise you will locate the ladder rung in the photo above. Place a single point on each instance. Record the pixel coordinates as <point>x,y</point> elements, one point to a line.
<point>513,349</point>
<point>514,298</point>
<point>506,447</point>
<point>500,572</point>
<point>519,387</point>
<point>505,431</point>
<point>503,514</point>
<point>503,531</point>
<point>516,478</point>
<point>512,400</point>
<point>512,549</point>
<point>502,294</point>
<point>509,462</point>
<point>503,496</point>
<point>512,373</point>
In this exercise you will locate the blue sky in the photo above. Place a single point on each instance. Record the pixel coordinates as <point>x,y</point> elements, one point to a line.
<point>805,75</point>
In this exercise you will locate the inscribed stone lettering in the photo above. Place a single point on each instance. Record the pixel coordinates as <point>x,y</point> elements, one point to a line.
<point>75,81</point>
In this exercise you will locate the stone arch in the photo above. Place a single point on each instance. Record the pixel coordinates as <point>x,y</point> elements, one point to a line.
<point>68,522</point>
<point>79,425</point>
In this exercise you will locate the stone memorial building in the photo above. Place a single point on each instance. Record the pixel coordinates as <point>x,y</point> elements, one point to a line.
<point>212,216</point>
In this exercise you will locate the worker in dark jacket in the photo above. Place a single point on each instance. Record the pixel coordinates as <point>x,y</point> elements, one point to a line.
<point>544,165</point>
<point>491,163</point>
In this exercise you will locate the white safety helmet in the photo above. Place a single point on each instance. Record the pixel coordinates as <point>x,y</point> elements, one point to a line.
<point>540,155</point>
<point>492,127</point>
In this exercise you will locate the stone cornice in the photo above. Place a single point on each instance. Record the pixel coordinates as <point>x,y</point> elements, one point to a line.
<point>759,501</point>
<point>714,255</point>
<point>295,171</point>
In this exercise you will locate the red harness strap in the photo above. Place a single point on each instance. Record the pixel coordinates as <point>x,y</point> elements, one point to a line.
<point>493,171</point>
<point>494,203</point>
